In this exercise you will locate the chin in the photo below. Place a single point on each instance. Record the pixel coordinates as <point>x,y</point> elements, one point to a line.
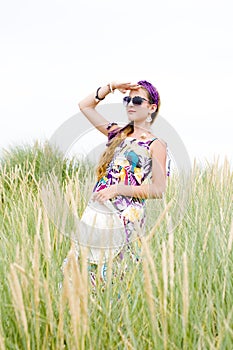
<point>132,117</point>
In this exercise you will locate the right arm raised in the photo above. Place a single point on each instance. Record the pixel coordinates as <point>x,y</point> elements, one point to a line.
<point>87,105</point>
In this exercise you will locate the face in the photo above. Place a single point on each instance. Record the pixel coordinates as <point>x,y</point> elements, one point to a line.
<point>139,113</point>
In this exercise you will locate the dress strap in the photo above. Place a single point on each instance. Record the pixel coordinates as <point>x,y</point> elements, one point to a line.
<point>110,125</point>
<point>113,132</point>
<point>154,138</point>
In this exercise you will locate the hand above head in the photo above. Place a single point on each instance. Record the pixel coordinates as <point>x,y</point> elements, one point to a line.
<point>123,87</point>
<point>88,105</point>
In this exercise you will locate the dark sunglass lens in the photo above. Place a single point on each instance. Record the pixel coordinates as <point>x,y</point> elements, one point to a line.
<point>126,100</point>
<point>137,100</point>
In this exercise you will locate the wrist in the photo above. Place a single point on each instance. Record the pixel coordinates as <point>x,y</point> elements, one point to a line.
<point>97,96</point>
<point>111,87</point>
<point>101,93</point>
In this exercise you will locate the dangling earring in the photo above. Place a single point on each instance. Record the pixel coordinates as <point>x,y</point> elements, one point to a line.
<point>149,119</point>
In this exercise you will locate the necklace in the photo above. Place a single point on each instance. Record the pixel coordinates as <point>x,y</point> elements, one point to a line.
<point>143,136</point>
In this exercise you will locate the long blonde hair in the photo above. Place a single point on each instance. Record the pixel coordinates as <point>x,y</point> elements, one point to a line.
<point>107,156</point>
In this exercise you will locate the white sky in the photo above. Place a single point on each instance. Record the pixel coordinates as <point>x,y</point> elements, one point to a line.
<point>54,53</point>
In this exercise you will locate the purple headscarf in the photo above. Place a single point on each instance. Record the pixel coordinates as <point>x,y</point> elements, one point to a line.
<point>151,89</point>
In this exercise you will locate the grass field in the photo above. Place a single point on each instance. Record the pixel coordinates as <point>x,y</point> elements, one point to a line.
<point>178,297</point>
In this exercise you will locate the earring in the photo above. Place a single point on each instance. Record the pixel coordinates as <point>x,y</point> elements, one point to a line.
<point>149,119</point>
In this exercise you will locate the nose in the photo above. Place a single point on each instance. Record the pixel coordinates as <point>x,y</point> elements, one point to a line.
<point>130,103</point>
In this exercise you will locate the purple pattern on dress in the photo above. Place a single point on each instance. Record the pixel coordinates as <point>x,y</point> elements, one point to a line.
<point>131,165</point>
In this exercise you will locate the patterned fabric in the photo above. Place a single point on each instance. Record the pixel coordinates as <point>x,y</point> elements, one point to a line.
<point>131,165</point>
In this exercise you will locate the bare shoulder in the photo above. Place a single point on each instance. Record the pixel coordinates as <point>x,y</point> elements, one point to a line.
<point>158,146</point>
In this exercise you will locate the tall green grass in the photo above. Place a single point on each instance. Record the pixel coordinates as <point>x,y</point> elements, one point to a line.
<point>178,297</point>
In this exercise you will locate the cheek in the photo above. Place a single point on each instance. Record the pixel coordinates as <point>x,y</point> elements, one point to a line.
<point>142,112</point>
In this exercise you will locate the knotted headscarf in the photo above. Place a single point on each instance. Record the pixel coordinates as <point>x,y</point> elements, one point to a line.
<point>151,89</point>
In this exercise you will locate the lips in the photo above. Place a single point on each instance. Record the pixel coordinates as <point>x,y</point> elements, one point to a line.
<point>131,110</point>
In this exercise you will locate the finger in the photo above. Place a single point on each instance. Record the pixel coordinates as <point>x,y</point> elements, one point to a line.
<point>96,196</point>
<point>135,87</point>
<point>122,85</point>
<point>131,85</point>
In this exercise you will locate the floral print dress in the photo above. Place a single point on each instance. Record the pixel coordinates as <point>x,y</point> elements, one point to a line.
<point>131,165</point>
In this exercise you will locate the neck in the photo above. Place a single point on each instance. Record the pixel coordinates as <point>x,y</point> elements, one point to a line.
<point>141,130</point>
<point>142,127</point>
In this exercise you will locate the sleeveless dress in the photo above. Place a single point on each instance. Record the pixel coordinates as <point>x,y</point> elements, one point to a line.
<point>131,165</point>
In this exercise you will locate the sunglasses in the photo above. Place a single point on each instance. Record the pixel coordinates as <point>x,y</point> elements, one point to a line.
<point>136,100</point>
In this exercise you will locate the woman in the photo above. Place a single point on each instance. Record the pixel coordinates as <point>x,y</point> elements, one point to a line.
<point>133,166</point>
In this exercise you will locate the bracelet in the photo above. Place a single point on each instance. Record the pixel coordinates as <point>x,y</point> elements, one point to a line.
<point>110,88</point>
<point>97,97</point>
